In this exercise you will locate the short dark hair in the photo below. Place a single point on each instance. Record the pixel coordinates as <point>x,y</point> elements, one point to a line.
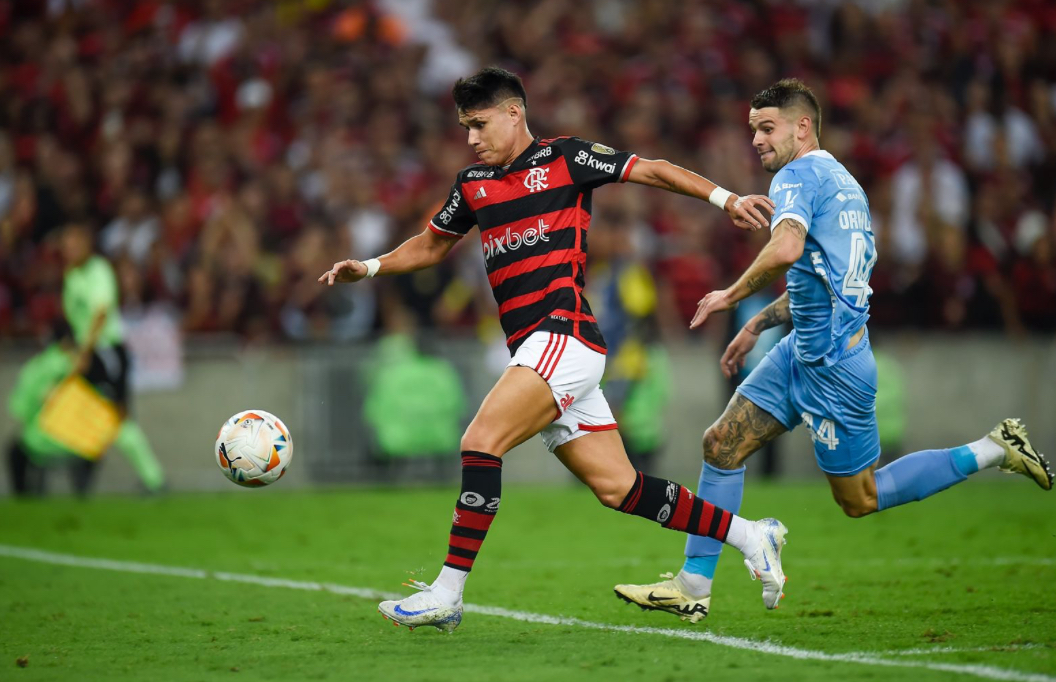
<point>486,88</point>
<point>790,92</point>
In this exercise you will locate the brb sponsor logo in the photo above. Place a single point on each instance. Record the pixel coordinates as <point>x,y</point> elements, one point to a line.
<point>515,239</point>
<point>585,159</point>
<point>536,180</point>
<point>541,154</point>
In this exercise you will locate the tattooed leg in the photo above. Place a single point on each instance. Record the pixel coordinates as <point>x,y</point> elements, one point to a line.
<point>742,429</point>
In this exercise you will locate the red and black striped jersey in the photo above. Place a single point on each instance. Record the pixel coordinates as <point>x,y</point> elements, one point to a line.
<point>534,216</point>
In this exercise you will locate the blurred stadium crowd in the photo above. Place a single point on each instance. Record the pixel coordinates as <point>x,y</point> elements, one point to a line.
<point>227,153</point>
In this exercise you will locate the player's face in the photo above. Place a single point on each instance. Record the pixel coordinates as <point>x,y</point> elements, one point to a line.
<point>775,137</point>
<point>492,132</point>
<point>76,245</point>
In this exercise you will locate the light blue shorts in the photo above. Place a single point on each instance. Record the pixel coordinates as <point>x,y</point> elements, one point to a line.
<point>837,403</point>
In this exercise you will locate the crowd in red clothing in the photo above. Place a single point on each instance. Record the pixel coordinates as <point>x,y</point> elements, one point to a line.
<point>227,153</point>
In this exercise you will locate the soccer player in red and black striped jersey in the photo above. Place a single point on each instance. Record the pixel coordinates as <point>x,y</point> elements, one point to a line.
<point>531,200</point>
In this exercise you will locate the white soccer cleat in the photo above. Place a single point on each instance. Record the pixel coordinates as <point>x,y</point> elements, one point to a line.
<point>1020,455</point>
<point>423,608</point>
<point>667,595</point>
<point>764,562</point>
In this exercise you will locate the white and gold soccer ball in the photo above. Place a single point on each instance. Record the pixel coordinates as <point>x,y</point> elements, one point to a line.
<point>254,448</point>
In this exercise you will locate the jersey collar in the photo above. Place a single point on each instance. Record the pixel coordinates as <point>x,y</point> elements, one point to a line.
<point>523,156</point>
<point>819,152</point>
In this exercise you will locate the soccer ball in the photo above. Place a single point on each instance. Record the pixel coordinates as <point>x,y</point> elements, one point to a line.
<point>254,448</point>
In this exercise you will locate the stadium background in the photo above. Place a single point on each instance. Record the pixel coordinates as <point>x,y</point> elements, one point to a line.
<point>226,153</point>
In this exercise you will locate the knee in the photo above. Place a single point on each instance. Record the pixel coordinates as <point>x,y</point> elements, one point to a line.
<point>610,498</point>
<point>858,508</point>
<point>611,492</point>
<point>719,452</point>
<point>477,441</point>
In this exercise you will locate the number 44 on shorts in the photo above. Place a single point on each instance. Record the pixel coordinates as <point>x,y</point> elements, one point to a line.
<point>824,434</point>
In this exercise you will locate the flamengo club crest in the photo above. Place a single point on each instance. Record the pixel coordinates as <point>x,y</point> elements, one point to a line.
<point>536,179</point>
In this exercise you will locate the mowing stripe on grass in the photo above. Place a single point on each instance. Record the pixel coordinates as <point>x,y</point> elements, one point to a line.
<point>767,647</point>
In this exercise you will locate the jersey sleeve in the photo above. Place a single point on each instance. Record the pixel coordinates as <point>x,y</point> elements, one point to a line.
<point>793,193</point>
<point>456,218</point>
<point>591,164</point>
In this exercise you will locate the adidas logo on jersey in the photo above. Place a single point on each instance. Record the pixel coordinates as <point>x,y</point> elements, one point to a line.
<point>480,194</point>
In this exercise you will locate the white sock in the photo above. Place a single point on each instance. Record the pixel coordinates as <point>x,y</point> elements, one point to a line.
<point>987,453</point>
<point>694,584</point>
<point>451,582</point>
<point>738,536</point>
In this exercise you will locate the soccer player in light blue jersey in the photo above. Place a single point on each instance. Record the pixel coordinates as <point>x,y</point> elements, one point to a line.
<point>822,374</point>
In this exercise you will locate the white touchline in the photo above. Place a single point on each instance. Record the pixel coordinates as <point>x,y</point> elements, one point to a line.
<point>925,651</point>
<point>767,647</point>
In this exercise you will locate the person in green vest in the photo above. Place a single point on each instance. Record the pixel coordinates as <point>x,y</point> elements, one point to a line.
<point>90,303</point>
<point>31,450</point>
<point>422,391</point>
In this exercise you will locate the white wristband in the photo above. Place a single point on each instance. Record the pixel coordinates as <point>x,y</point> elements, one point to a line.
<point>719,196</point>
<point>373,265</point>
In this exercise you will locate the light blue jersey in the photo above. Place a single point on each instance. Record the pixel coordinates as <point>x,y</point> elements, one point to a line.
<point>811,377</point>
<point>828,287</point>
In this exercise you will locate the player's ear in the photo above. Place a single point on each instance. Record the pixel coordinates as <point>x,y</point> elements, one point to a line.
<point>515,111</point>
<point>805,127</point>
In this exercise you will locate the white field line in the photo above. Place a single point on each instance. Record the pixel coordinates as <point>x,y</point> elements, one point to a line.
<point>924,651</point>
<point>766,647</point>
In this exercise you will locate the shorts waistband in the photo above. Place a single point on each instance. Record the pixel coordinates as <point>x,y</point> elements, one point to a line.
<point>862,344</point>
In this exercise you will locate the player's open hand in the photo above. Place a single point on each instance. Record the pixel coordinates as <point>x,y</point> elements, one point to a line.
<point>344,271</point>
<point>732,360</point>
<point>750,212</point>
<point>715,302</point>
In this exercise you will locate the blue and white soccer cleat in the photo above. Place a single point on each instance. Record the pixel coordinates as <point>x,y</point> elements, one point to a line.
<point>1020,455</point>
<point>423,608</point>
<point>764,562</point>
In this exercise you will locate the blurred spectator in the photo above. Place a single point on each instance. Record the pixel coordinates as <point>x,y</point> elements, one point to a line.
<point>930,194</point>
<point>227,146</point>
<point>638,379</point>
<point>133,232</point>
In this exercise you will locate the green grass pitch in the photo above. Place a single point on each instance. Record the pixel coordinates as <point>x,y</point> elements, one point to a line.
<point>957,587</point>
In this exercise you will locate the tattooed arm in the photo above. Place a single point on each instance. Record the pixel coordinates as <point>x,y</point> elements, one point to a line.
<point>777,313</point>
<point>784,248</point>
<point>773,315</point>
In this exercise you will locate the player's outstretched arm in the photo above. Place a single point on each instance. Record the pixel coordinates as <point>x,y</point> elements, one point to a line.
<point>417,253</point>
<point>748,212</point>
<point>784,248</point>
<point>775,314</point>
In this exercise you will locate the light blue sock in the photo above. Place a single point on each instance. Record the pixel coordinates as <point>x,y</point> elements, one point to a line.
<point>922,474</point>
<point>965,460</point>
<point>723,488</point>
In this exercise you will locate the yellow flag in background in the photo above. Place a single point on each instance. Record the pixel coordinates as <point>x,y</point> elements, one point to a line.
<point>79,418</point>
